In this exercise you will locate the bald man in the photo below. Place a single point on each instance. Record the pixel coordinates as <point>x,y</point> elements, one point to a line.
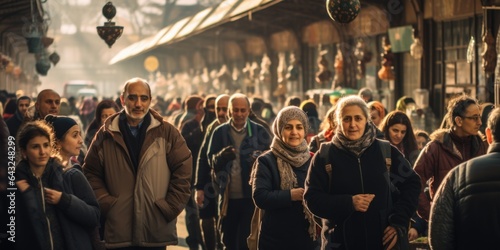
<point>140,169</point>
<point>47,102</point>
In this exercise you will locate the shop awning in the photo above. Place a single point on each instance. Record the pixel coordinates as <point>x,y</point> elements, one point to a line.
<point>226,11</point>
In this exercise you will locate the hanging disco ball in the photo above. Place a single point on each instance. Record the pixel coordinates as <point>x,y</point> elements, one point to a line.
<point>343,11</point>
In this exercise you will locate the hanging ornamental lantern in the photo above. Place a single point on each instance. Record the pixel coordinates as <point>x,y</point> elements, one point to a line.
<point>109,32</point>
<point>54,58</point>
<point>343,11</point>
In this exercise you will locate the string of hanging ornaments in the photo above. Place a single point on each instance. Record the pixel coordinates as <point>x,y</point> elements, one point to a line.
<point>109,32</point>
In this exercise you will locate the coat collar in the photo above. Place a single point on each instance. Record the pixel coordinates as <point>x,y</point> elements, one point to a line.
<point>111,124</point>
<point>494,147</point>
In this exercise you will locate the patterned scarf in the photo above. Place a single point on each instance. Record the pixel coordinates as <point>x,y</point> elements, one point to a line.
<point>358,146</point>
<point>291,157</point>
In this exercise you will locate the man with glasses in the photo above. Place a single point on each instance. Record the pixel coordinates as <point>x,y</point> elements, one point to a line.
<point>449,147</point>
<point>140,170</point>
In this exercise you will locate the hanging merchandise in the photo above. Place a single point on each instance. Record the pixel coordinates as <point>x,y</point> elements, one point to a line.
<point>17,71</point>
<point>362,57</point>
<point>54,58</point>
<point>338,65</point>
<point>9,68</point>
<point>42,64</point>
<point>416,48</point>
<point>324,75</point>
<point>489,54</point>
<point>343,11</point>
<point>385,73</point>
<point>471,53</point>
<point>33,37</point>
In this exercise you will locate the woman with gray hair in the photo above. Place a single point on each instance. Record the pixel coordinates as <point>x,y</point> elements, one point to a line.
<point>278,185</point>
<point>348,185</point>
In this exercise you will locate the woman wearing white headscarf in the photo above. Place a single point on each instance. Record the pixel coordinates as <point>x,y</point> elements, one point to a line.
<point>278,185</point>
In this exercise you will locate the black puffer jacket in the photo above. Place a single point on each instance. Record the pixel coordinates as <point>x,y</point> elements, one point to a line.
<point>465,212</point>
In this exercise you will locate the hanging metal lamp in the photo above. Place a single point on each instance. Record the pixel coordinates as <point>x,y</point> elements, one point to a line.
<point>109,32</point>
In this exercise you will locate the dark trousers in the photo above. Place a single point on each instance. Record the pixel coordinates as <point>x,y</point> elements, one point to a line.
<point>236,225</point>
<point>194,238</point>
<point>209,218</point>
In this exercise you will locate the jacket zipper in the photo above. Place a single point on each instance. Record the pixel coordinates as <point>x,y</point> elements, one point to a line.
<point>44,212</point>
<point>361,176</point>
<point>362,191</point>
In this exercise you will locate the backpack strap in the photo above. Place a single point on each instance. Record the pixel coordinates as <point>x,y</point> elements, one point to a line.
<point>385,146</point>
<point>324,153</point>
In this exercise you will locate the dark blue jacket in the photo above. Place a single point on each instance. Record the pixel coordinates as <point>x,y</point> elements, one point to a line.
<point>256,141</point>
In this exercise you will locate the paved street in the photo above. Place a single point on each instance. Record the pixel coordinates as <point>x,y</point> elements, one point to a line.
<point>181,233</point>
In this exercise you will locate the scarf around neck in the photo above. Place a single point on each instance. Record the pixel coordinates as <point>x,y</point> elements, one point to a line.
<point>358,146</point>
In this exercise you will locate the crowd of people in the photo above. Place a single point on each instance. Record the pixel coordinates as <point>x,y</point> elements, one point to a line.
<point>361,177</point>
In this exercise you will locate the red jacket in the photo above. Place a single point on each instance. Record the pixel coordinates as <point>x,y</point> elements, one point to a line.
<point>436,160</point>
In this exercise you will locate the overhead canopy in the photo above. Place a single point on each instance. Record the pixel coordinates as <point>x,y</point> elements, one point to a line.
<point>226,11</point>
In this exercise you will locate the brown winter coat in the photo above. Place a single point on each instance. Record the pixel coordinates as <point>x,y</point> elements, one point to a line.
<point>437,159</point>
<point>140,207</point>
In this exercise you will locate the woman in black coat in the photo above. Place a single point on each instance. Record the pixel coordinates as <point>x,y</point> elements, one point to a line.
<point>278,185</point>
<point>348,187</point>
<point>57,207</point>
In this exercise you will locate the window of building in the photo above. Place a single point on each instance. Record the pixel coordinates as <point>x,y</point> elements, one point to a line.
<point>453,74</point>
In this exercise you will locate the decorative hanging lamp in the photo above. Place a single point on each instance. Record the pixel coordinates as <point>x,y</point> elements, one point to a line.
<point>33,37</point>
<point>343,11</point>
<point>109,32</point>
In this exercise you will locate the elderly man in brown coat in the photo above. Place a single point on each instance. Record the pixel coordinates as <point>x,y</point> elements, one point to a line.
<point>140,169</point>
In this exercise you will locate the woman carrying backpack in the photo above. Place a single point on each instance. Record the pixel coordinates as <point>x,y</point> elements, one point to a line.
<point>348,186</point>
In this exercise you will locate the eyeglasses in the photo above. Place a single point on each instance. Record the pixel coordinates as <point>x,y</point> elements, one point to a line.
<point>476,118</point>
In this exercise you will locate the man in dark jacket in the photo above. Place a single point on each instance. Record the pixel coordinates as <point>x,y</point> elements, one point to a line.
<point>15,121</point>
<point>205,192</point>
<point>465,208</point>
<point>233,148</point>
